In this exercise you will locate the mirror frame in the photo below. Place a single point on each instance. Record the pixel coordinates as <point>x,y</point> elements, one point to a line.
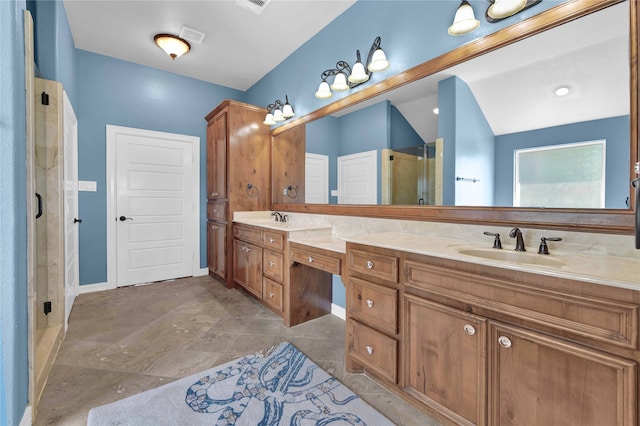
<point>610,221</point>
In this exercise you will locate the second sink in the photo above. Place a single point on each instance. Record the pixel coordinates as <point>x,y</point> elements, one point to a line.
<point>512,256</point>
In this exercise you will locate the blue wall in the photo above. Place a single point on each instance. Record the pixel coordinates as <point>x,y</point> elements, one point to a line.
<point>616,132</point>
<point>111,91</point>
<point>402,134</point>
<point>322,138</point>
<point>14,369</point>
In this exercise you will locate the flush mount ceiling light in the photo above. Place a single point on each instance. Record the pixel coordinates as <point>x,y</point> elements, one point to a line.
<point>562,90</point>
<point>464,20</point>
<point>345,77</point>
<point>501,9</point>
<point>173,45</point>
<point>277,112</point>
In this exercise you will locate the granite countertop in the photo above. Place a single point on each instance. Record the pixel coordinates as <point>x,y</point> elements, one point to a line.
<point>599,269</point>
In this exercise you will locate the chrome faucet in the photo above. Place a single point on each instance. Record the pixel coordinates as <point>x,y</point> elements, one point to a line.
<point>278,216</point>
<point>517,234</point>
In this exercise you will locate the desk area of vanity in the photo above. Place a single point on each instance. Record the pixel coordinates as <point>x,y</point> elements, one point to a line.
<point>466,337</point>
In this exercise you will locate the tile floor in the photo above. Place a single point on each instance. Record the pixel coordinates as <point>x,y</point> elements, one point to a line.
<point>125,341</point>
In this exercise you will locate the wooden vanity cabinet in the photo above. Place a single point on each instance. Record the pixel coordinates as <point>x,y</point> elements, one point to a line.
<point>480,345</point>
<point>238,176</point>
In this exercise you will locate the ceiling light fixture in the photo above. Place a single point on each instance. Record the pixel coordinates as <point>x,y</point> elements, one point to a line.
<point>173,45</point>
<point>464,20</point>
<point>345,78</point>
<point>277,112</point>
<point>501,9</point>
<point>562,90</point>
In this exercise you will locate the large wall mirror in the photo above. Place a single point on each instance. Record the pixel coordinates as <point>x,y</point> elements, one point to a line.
<point>480,134</point>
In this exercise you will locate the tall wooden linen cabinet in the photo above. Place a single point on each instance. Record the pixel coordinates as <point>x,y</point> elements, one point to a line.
<point>238,177</point>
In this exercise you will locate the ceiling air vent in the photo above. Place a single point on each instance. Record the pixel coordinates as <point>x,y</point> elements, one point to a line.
<point>255,6</point>
<point>192,35</point>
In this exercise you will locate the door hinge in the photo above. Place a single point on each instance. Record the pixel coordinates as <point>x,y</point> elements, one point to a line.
<point>47,307</point>
<point>44,98</point>
<point>391,158</point>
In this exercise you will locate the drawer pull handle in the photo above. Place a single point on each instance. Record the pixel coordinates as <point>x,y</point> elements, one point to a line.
<point>271,240</point>
<point>272,263</point>
<point>214,194</point>
<point>504,341</point>
<point>370,303</point>
<point>369,350</point>
<point>310,259</point>
<point>369,264</point>
<point>469,329</point>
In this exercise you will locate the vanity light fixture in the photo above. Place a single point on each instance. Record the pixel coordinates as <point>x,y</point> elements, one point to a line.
<point>501,9</point>
<point>464,20</point>
<point>562,90</point>
<point>174,46</point>
<point>278,111</point>
<point>345,77</point>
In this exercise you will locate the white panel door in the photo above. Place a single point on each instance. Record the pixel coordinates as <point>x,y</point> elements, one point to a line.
<point>154,203</point>
<point>316,179</point>
<point>71,219</point>
<point>358,178</point>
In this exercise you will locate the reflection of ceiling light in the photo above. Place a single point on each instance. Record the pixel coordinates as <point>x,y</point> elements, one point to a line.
<point>562,90</point>
<point>436,110</point>
<point>464,21</point>
<point>504,8</point>
<point>174,46</point>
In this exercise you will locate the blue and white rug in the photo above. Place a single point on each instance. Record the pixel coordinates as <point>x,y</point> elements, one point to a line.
<point>278,387</point>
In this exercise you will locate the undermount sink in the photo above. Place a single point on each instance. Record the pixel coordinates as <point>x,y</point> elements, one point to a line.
<point>512,256</point>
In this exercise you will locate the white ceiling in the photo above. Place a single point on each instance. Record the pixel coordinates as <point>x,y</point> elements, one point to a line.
<point>238,49</point>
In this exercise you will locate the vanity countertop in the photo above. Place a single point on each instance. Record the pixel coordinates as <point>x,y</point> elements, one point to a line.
<point>281,226</point>
<point>326,242</point>
<point>599,269</point>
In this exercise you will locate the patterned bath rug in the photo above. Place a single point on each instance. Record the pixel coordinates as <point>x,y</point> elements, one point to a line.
<point>279,386</point>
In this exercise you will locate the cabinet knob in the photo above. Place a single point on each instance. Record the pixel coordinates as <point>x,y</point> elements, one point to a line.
<point>310,259</point>
<point>214,227</point>
<point>271,295</point>
<point>504,341</point>
<point>271,240</point>
<point>369,350</point>
<point>370,303</point>
<point>214,195</point>
<point>369,264</point>
<point>272,263</point>
<point>469,329</point>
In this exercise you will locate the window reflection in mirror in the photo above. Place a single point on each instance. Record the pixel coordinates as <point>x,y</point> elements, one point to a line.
<point>489,108</point>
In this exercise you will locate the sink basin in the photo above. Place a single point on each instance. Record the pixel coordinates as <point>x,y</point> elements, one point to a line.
<point>512,256</point>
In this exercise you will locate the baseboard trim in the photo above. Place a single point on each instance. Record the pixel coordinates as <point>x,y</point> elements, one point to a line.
<point>27,417</point>
<point>92,288</point>
<point>201,272</point>
<point>338,311</point>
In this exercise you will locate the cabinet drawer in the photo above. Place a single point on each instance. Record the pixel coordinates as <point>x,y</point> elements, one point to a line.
<point>272,294</point>
<point>374,350</point>
<point>593,319</point>
<point>374,265</point>
<point>373,304</point>
<point>316,260</point>
<point>217,210</point>
<point>273,265</point>
<point>245,233</point>
<point>273,240</point>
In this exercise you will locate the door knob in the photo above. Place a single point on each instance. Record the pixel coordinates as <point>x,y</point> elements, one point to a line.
<point>76,220</point>
<point>123,218</point>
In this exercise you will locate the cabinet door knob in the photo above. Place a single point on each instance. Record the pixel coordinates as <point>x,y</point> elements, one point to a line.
<point>369,264</point>
<point>272,263</point>
<point>369,350</point>
<point>469,329</point>
<point>271,240</point>
<point>370,303</point>
<point>504,341</point>
<point>310,259</point>
<point>271,295</point>
<point>248,249</point>
<point>214,227</point>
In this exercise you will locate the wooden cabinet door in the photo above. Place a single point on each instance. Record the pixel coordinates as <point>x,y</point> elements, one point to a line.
<point>247,266</point>
<point>216,258</point>
<point>445,359</point>
<point>539,380</point>
<point>217,157</point>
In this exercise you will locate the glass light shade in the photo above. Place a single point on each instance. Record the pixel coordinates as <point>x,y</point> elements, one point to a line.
<point>277,115</point>
<point>504,8</point>
<point>465,21</point>
<point>287,111</point>
<point>323,91</point>
<point>340,83</point>
<point>174,46</point>
<point>358,75</point>
<point>378,61</point>
<point>268,120</point>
